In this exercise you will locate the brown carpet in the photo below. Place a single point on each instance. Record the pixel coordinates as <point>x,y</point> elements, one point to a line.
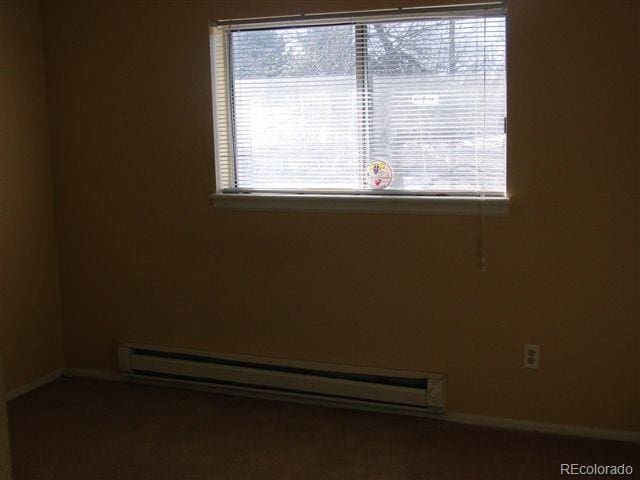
<point>77,429</point>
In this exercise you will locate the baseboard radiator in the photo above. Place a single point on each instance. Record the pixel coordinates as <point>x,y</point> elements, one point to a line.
<point>381,389</point>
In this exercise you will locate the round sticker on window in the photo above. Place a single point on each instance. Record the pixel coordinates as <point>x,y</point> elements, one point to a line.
<point>379,174</point>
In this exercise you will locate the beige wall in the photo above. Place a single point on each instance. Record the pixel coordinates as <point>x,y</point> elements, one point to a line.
<point>145,257</point>
<point>30,323</point>
<point>636,6</point>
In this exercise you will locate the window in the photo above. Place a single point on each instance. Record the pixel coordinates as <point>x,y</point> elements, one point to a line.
<point>402,106</point>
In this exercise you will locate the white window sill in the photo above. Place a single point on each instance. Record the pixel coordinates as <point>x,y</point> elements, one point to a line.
<point>269,202</point>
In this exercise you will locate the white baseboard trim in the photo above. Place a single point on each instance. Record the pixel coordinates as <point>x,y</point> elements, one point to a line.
<point>37,383</point>
<point>543,427</point>
<point>462,418</point>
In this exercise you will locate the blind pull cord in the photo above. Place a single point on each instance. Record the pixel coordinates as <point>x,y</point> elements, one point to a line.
<point>482,246</point>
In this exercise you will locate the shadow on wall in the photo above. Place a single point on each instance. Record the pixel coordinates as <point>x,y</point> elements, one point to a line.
<point>5,460</point>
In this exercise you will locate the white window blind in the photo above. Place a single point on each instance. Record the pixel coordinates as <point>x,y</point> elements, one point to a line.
<point>405,106</point>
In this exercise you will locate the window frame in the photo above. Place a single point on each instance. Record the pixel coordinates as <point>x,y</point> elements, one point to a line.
<point>359,201</point>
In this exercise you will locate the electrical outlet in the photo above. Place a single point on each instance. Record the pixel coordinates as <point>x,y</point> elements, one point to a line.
<point>532,356</point>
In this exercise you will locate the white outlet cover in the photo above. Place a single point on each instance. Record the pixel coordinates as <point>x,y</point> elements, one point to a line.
<point>532,356</point>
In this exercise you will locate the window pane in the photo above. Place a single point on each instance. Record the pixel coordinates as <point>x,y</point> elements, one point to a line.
<point>437,90</point>
<point>409,106</point>
<point>296,114</point>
